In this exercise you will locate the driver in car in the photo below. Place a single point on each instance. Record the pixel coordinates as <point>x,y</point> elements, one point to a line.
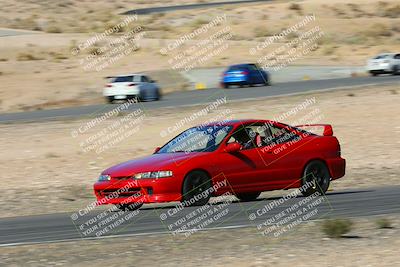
<point>248,138</point>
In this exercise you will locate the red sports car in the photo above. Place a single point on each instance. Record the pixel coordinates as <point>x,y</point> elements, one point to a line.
<point>242,157</point>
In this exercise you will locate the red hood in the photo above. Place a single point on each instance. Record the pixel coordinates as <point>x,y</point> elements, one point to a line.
<point>153,162</point>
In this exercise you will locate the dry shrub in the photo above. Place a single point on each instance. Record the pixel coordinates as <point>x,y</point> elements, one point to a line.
<point>378,30</point>
<point>336,228</point>
<point>27,56</point>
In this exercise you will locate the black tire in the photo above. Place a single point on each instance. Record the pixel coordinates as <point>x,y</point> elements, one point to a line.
<point>142,96</point>
<point>130,207</point>
<point>158,97</point>
<point>110,99</point>
<point>374,74</point>
<point>318,175</point>
<point>194,186</point>
<point>226,85</point>
<point>244,84</point>
<point>248,196</point>
<point>396,70</point>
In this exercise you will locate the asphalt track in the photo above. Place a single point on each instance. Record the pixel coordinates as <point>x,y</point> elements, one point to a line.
<point>203,97</point>
<point>150,10</point>
<point>60,227</point>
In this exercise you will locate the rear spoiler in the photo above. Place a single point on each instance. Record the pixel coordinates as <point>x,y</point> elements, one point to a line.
<point>328,131</point>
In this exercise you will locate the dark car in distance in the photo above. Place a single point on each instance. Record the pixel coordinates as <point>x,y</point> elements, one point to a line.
<point>244,75</point>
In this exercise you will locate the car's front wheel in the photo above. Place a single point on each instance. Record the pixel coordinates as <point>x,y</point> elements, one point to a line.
<point>196,189</point>
<point>248,196</point>
<point>396,70</point>
<point>158,95</point>
<point>316,178</point>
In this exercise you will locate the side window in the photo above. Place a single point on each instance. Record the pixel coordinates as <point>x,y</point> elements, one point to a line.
<point>278,135</point>
<point>137,78</point>
<point>144,79</point>
<point>249,136</point>
<point>252,67</point>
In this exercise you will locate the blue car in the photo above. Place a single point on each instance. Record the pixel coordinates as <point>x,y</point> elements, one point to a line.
<point>244,75</point>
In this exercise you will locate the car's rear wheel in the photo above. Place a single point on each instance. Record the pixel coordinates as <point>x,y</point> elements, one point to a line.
<point>248,196</point>
<point>130,206</point>
<point>196,187</point>
<point>226,85</point>
<point>110,99</point>
<point>374,73</point>
<point>316,178</point>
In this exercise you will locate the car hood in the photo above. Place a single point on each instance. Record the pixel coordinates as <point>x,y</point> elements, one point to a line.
<point>153,162</point>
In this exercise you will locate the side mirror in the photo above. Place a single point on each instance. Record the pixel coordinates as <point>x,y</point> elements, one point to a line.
<point>233,147</point>
<point>157,149</point>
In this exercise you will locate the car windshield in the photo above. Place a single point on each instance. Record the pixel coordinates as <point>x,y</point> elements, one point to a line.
<point>381,56</point>
<point>126,79</point>
<point>197,139</point>
<point>122,79</point>
<point>237,68</point>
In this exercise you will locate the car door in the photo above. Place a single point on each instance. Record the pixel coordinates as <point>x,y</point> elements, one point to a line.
<point>244,168</point>
<point>253,74</point>
<point>144,82</point>
<point>397,62</point>
<point>258,74</point>
<point>151,85</point>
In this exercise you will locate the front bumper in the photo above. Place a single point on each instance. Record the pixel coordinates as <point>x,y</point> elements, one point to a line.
<point>132,191</point>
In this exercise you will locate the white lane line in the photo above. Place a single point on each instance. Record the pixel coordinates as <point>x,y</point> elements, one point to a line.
<point>117,236</point>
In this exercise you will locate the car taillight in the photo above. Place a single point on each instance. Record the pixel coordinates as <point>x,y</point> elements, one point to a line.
<point>132,84</point>
<point>108,85</point>
<point>244,72</point>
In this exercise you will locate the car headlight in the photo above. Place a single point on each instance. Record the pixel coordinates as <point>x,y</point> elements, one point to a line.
<point>104,177</point>
<point>153,175</point>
